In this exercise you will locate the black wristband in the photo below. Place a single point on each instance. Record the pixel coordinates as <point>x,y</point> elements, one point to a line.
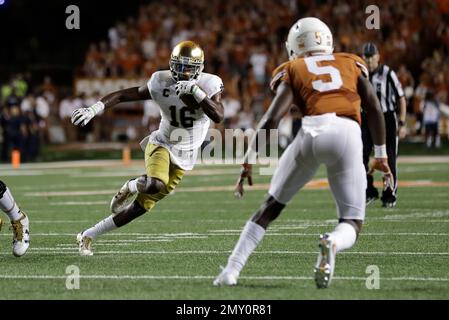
<point>401,123</point>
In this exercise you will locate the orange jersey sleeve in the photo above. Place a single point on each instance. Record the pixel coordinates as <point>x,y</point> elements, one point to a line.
<point>276,76</point>
<point>326,84</point>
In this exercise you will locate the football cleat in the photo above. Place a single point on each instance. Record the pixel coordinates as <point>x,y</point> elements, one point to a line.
<point>388,198</point>
<point>122,198</point>
<point>21,235</point>
<point>226,278</point>
<point>84,245</point>
<point>325,265</point>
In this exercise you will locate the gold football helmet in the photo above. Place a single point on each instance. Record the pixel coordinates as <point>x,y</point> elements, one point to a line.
<point>186,61</point>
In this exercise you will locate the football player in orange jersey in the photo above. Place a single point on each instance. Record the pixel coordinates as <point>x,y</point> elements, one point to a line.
<point>329,89</point>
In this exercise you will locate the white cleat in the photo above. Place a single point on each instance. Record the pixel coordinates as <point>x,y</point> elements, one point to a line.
<point>84,245</point>
<point>325,265</point>
<point>122,198</point>
<point>21,235</point>
<point>226,278</point>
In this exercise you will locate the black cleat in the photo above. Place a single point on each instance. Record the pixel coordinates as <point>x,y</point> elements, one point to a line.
<point>388,198</point>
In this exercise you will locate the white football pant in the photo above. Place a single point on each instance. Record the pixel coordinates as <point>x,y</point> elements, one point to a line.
<point>335,142</point>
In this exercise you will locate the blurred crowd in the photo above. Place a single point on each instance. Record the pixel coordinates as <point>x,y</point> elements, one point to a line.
<point>243,42</point>
<point>32,117</point>
<point>23,118</point>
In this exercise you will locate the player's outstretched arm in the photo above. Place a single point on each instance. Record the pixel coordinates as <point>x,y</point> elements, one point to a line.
<point>82,116</point>
<point>376,125</point>
<point>278,108</point>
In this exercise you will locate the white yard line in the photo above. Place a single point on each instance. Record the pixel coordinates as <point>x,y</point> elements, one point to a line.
<point>67,246</point>
<point>70,193</point>
<point>59,221</point>
<point>73,234</point>
<point>146,236</point>
<point>52,250</point>
<point>208,277</point>
<point>136,172</point>
<point>316,184</point>
<point>434,214</point>
<point>78,203</point>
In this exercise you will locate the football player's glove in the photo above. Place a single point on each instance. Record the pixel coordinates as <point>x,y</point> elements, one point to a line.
<point>245,173</point>
<point>184,87</point>
<point>190,87</point>
<point>82,116</point>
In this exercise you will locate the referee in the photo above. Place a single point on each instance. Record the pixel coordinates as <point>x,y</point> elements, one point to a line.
<point>392,99</point>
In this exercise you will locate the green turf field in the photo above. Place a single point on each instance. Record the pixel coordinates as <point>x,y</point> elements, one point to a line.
<point>175,251</point>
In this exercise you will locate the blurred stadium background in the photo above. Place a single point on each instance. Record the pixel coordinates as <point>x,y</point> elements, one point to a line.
<point>46,70</point>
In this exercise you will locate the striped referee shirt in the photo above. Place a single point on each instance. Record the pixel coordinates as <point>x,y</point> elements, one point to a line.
<point>387,87</point>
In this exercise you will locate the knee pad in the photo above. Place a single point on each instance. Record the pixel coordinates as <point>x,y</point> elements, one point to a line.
<point>149,185</point>
<point>2,188</point>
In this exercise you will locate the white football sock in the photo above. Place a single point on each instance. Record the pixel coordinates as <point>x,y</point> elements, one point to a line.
<point>9,206</point>
<point>100,228</point>
<point>344,236</point>
<point>250,237</point>
<point>132,185</point>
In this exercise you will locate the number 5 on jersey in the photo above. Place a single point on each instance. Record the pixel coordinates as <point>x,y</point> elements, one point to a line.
<point>313,67</point>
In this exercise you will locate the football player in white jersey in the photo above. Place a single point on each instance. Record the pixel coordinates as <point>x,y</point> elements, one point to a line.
<point>19,221</point>
<point>188,98</point>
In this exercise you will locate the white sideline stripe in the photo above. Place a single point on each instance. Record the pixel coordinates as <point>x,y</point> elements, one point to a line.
<point>149,252</point>
<point>139,163</point>
<point>313,184</point>
<point>204,277</point>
